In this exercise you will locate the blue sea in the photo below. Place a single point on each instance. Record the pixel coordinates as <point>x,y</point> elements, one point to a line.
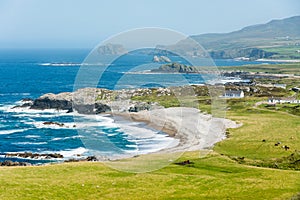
<point>31,73</point>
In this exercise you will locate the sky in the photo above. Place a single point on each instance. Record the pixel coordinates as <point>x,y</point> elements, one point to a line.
<point>84,24</point>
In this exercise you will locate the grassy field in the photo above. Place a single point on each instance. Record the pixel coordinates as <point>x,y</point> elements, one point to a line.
<point>288,68</point>
<point>262,129</point>
<point>284,52</point>
<point>211,177</point>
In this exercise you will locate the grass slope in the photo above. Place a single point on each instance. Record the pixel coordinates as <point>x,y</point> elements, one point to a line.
<point>258,125</point>
<point>211,177</point>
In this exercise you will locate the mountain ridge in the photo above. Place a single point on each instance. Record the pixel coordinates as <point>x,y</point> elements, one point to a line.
<point>250,39</point>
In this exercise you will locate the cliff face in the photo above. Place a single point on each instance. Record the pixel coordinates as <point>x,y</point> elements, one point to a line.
<point>251,53</point>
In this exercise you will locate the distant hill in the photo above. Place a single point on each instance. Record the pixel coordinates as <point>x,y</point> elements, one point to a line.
<point>277,39</point>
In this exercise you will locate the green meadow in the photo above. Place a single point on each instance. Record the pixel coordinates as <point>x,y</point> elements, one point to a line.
<point>211,177</point>
<point>287,68</point>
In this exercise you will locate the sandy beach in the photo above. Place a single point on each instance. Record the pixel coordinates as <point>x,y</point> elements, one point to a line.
<point>194,129</point>
<point>279,60</point>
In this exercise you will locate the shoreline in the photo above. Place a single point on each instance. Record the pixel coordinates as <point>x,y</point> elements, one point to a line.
<point>193,129</point>
<point>280,60</point>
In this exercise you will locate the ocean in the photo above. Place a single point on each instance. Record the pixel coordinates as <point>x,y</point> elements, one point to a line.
<point>31,73</point>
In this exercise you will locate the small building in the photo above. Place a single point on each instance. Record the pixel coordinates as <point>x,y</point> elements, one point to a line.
<point>233,94</point>
<point>283,86</point>
<point>283,100</point>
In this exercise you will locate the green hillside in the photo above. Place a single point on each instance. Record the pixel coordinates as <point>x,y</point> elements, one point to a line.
<point>277,39</point>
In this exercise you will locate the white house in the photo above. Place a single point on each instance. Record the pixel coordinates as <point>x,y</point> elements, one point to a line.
<point>283,100</point>
<point>280,86</point>
<point>233,94</point>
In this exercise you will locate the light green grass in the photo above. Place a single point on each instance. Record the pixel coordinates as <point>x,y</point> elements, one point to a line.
<point>288,68</point>
<point>293,109</point>
<point>258,125</point>
<point>211,177</point>
<point>284,52</point>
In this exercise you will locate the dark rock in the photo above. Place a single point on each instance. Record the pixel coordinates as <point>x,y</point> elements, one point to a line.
<point>72,160</point>
<point>27,99</point>
<point>23,105</point>
<point>11,163</point>
<point>101,108</point>
<point>54,123</point>
<point>70,110</point>
<point>91,109</point>
<point>186,162</point>
<point>91,158</point>
<point>139,107</point>
<point>46,103</point>
<point>62,104</point>
<point>8,163</point>
<point>34,155</point>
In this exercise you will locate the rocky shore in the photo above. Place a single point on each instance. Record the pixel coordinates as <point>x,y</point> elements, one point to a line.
<point>8,162</point>
<point>27,155</point>
<point>193,129</point>
<point>93,101</point>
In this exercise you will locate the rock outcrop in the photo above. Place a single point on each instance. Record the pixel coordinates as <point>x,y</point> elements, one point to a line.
<point>93,101</point>
<point>30,155</point>
<point>10,163</point>
<point>47,103</point>
<point>79,101</point>
<point>176,68</point>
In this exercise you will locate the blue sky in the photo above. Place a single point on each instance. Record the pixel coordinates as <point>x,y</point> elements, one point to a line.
<point>68,24</point>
